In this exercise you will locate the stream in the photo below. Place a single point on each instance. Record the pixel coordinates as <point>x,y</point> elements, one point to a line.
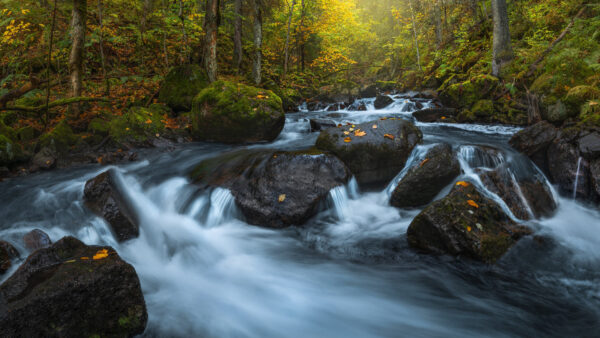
<point>347,273</point>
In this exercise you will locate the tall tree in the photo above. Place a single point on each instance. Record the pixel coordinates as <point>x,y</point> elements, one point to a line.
<point>502,53</point>
<point>211,23</point>
<point>78,42</point>
<point>414,26</point>
<point>287,39</point>
<point>437,13</point>
<point>302,42</point>
<point>237,36</point>
<point>257,27</point>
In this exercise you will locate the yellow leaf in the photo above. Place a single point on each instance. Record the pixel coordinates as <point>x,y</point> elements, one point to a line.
<point>389,136</point>
<point>101,254</point>
<point>469,229</point>
<point>423,162</point>
<point>374,126</point>
<point>472,203</point>
<point>593,103</point>
<point>383,118</point>
<point>347,140</point>
<point>462,183</point>
<point>148,121</point>
<point>281,198</point>
<point>70,261</point>
<point>346,133</point>
<point>359,133</point>
<point>353,126</point>
<point>443,117</point>
<point>351,129</point>
<point>84,258</point>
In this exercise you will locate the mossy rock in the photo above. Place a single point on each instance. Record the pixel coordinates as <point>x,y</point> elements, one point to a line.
<point>556,113</point>
<point>26,134</point>
<point>483,108</point>
<point>387,86</point>
<point>231,112</point>
<point>61,138</point>
<point>590,114</point>
<point>181,85</point>
<point>136,125</point>
<point>578,96</point>
<point>10,152</point>
<point>543,84</point>
<point>467,93</point>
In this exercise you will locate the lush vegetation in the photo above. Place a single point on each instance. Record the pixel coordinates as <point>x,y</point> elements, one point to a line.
<point>298,49</point>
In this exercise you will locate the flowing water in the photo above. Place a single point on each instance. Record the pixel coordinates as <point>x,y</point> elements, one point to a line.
<point>348,273</point>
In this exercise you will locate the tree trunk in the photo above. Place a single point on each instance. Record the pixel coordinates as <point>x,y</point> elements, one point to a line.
<point>502,50</point>
<point>76,57</point>
<point>287,39</point>
<point>101,43</point>
<point>302,42</point>
<point>256,68</point>
<point>210,40</point>
<point>49,65</point>
<point>184,47</point>
<point>164,42</point>
<point>437,13</point>
<point>414,25</point>
<point>237,36</point>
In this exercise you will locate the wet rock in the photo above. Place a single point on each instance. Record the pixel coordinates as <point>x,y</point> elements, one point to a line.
<point>370,91</point>
<point>424,181</point>
<point>534,141</point>
<point>465,223</point>
<point>321,124</point>
<point>105,197</point>
<point>334,115</point>
<point>589,145</point>
<point>382,101</point>
<point>565,168</point>
<point>361,107</point>
<point>525,199</point>
<point>275,189</point>
<point>595,179</point>
<point>8,253</point>
<point>66,290</point>
<point>434,114</point>
<point>379,155</point>
<point>181,85</point>
<point>45,159</point>
<point>426,94</point>
<point>36,239</point>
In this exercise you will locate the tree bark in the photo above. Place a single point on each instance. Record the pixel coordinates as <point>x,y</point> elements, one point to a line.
<point>237,36</point>
<point>437,13</point>
<point>414,25</point>
<point>502,53</point>
<point>287,39</point>
<point>49,65</point>
<point>257,66</point>
<point>302,37</point>
<point>101,42</point>
<point>184,47</point>
<point>76,57</point>
<point>210,40</point>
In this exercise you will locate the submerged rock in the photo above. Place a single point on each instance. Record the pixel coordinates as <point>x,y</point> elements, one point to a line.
<point>72,290</point>
<point>321,124</point>
<point>104,196</point>
<point>382,101</point>
<point>434,114</point>
<point>275,189</point>
<point>424,181</point>
<point>377,156</point>
<point>36,239</point>
<point>465,223</point>
<point>232,113</point>
<point>8,253</point>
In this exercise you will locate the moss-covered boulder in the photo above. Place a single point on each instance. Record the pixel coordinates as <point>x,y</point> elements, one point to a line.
<point>73,290</point>
<point>578,96</point>
<point>556,113</point>
<point>375,151</point>
<point>483,108</point>
<point>231,112</point>
<point>138,124</point>
<point>465,94</point>
<point>61,138</point>
<point>465,223</point>
<point>181,85</point>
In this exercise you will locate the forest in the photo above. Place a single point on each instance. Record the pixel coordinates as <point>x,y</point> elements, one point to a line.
<point>256,168</point>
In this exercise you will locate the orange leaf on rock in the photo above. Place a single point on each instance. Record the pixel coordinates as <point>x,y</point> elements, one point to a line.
<point>347,140</point>
<point>100,254</point>
<point>423,162</point>
<point>281,198</point>
<point>473,204</point>
<point>389,136</point>
<point>359,133</point>
<point>462,183</point>
<point>469,229</point>
<point>374,126</point>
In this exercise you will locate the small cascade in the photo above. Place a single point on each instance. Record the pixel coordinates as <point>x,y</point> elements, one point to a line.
<point>576,184</point>
<point>524,201</point>
<point>476,157</point>
<point>339,198</point>
<point>222,207</point>
<point>417,156</point>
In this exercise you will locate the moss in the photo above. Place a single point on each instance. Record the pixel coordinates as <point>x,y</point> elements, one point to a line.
<point>483,108</point>
<point>137,125</point>
<point>99,126</point>
<point>590,114</point>
<point>493,246</point>
<point>578,96</point>
<point>61,138</point>
<point>181,85</point>
<point>467,93</point>
<point>387,86</point>
<point>543,84</point>
<point>234,113</point>
<point>10,151</point>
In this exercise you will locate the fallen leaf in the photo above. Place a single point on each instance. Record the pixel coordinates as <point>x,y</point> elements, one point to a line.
<point>347,140</point>
<point>346,133</point>
<point>473,204</point>
<point>359,133</point>
<point>443,117</point>
<point>390,136</point>
<point>339,125</point>
<point>469,229</point>
<point>374,126</point>
<point>593,103</point>
<point>353,126</point>
<point>71,261</point>
<point>100,254</point>
<point>148,121</point>
<point>85,258</point>
<point>462,183</point>
<point>281,198</point>
<point>423,162</point>
<point>351,129</point>
<point>383,118</point>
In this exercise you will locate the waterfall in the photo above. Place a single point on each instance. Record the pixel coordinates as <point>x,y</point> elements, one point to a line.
<point>576,184</point>
<point>222,207</point>
<point>340,196</point>
<point>515,184</point>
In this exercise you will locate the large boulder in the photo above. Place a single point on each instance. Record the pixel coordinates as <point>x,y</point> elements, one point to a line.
<point>230,112</point>
<point>424,181</point>
<point>181,85</point>
<point>566,167</point>
<point>36,239</point>
<point>275,189</point>
<point>595,178</point>
<point>534,141</point>
<point>106,198</point>
<point>8,253</point>
<point>382,101</point>
<point>72,290</point>
<point>465,94</point>
<point>465,223</point>
<point>321,124</point>
<point>589,145</point>
<point>434,114</point>
<point>376,156</point>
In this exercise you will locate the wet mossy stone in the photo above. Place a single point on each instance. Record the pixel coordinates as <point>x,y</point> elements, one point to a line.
<point>61,138</point>
<point>379,155</point>
<point>181,85</point>
<point>483,108</point>
<point>465,94</point>
<point>138,124</point>
<point>557,113</point>
<point>11,152</point>
<point>68,290</point>
<point>234,113</point>
<point>465,223</point>
<point>274,189</point>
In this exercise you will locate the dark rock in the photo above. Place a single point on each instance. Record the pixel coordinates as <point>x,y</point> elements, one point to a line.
<point>36,239</point>
<point>373,158</point>
<point>383,101</point>
<point>275,189</point>
<point>361,107</point>
<point>320,124</point>
<point>465,223</point>
<point>589,146</point>
<point>370,91</point>
<point>105,197</point>
<point>8,253</point>
<point>334,115</point>
<point>527,198</point>
<point>434,114</point>
<point>534,141</point>
<point>58,293</point>
<point>424,181</point>
<point>45,159</point>
<point>595,178</point>
<point>427,94</point>
<point>565,168</point>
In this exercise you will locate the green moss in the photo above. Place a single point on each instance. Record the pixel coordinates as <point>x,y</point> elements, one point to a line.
<point>61,138</point>
<point>578,96</point>
<point>10,152</point>
<point>386,86</point>
<point>26,134</point>
<point>466,93</point>
<point>493,246</point>
<point>137,124</point>
<point>233,113</point>
<point>483,108</point>
<point>181,85</point>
